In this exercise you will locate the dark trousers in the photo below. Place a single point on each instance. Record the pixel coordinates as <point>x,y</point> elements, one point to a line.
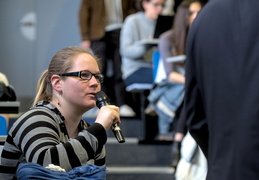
<point>107,49</point>
<point>143,75</point>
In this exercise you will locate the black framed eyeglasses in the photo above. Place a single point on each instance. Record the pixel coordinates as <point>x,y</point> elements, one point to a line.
<point>157,4</point>
<point>85,75</point>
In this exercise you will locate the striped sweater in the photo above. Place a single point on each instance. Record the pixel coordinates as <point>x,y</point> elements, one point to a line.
<point>40,136</point>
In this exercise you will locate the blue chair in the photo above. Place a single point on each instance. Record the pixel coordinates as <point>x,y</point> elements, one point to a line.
<point>155,62</point>
<point>3,129</point>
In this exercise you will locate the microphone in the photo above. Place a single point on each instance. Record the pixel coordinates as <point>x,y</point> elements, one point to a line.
<point>102,100</point>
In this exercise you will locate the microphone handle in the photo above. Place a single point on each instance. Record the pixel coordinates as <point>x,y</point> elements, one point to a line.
<point>115,127</point>
<point>117,133</point>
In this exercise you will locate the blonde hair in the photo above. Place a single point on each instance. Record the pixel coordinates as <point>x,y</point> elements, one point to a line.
<point>61,62</point>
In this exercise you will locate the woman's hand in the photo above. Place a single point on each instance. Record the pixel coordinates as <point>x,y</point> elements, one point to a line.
<point>176,77</point>
<point>108,115</point>
<point>86,44</point>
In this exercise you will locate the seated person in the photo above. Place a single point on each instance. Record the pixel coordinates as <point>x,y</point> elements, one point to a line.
<point>171,91</point>
<point>136,57</point>
<point>52,131</point>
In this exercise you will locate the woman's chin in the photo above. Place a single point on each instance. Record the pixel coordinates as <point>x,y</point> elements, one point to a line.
<point>92,106</point>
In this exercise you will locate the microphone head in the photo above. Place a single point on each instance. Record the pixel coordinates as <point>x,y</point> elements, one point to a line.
<point>101,99</point>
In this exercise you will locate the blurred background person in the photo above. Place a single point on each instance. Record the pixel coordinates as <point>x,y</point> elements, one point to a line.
<point>192,163</point>
<point>188,159</point>
<point>100,23</point>
<point>168,94</point>
<point>136,59</point>
<point>7,93</point>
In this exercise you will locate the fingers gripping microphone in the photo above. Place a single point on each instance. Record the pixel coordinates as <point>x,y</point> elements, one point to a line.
<point>102,100</point>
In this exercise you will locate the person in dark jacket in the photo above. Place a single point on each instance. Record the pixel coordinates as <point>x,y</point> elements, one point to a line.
<point>222,97</point>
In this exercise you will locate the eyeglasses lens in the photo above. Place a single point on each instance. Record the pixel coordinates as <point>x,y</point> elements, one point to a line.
<point>86,75</point>
<point>157,4</point>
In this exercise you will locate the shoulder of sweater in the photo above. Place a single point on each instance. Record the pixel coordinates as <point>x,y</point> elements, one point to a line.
<point>136,15</point>
<point>34,111</point>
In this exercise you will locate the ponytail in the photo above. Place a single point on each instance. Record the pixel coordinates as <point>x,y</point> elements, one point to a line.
<point>44,88</point>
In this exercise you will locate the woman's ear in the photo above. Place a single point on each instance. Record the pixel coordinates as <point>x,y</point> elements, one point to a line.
<point>56,83</point>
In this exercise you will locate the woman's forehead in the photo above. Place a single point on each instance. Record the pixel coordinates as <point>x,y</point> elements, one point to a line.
<point>85,61</point>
